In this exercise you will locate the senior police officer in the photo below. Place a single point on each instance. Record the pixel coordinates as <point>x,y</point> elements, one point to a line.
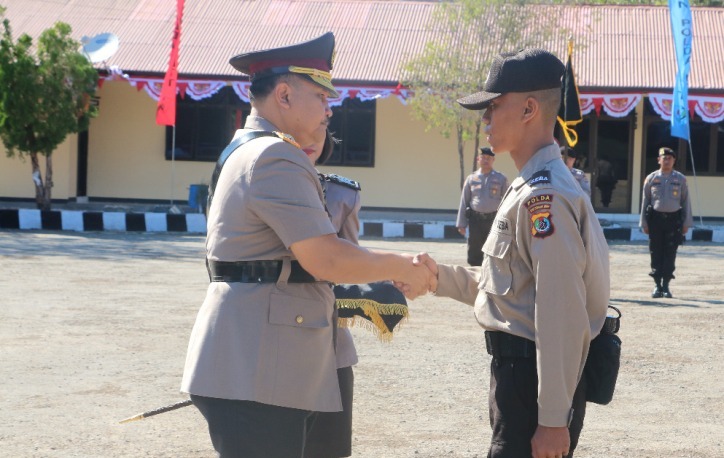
<point>569,156</point>
<point>542,292</point>
<point>665,217</point>
<point>480,198</point>
<point>261,356</point>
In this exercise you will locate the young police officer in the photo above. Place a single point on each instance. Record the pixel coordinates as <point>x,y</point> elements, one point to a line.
<point>542,292</point>
<point>666,217</point>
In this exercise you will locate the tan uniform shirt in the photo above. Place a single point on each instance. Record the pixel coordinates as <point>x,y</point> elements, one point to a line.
<point>545,277</point>
<point>268,342</point>
<point>667,193</point>
<point>482,193</point>
<point>344,204</point>
<point>582,180</point>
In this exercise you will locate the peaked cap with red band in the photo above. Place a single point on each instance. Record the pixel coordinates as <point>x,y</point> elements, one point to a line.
<point>312,59</point>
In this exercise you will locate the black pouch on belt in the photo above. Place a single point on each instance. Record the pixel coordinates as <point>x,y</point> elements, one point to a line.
<point>604,360</point>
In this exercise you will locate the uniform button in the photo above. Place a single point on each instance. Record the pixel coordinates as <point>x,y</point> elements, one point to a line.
<point>300,319</point>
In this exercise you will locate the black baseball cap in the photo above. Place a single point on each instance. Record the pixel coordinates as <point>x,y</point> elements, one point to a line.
<point>570,152</point>
<point>312,59</point>
<point>526,70</point>
<point>486,150</point>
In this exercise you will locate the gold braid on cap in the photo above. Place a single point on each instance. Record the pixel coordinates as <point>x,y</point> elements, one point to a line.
<point>310,71</point>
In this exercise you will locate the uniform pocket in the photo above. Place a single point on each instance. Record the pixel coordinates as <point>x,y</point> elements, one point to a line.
<point>675,190</point>
<point>495,189</point>
<point>656,191</point>
<point>297,311</point>
<point>497,277</point>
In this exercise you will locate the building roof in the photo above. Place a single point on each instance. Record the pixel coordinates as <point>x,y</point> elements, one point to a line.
<point>623,47</point>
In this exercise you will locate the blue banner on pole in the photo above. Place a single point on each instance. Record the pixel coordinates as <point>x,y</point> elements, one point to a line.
<point>681,28</point>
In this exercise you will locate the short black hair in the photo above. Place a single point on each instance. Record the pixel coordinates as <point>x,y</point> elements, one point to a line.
<point>262,87</point>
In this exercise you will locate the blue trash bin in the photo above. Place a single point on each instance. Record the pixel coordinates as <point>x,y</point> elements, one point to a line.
<point>197,196</point>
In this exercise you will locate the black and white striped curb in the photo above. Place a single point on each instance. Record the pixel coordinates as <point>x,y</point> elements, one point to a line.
<point>195,223</point>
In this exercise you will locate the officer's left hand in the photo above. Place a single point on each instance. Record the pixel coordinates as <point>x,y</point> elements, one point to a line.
<point>685,229</point>
<point>550,442</point>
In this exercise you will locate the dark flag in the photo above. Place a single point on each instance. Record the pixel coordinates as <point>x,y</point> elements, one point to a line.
<point>569,114</point>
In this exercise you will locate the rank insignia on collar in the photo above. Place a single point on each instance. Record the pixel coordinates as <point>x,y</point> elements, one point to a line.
<point>287,138</point>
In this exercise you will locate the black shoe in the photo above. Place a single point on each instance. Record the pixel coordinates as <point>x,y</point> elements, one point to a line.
<point>657,292</point>
<point>665,292</point>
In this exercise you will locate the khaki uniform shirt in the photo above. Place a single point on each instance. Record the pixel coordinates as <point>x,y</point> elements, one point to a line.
<point>667,194</point>
<point>482,193</point>
<point>269,342</point>
<point>344,204</point>
<point>545,277</point>
<point>582,180</point>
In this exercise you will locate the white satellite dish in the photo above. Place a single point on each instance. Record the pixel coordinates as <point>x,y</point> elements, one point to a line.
<point>100,47</point>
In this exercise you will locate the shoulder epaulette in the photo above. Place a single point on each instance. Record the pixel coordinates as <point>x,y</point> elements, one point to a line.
<point>540,177</point>
<point>334,178</point>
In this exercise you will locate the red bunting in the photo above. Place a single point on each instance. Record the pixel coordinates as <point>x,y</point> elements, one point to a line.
<point>166,109</point>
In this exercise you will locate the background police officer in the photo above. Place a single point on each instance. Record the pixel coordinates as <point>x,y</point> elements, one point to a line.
<point>666,217</point>
<point>569,156</point>
<point>480,198</point>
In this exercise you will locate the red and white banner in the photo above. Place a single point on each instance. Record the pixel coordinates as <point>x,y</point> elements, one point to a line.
<point>166,109</point>
<point>710,109</point>
<point>616,105</point>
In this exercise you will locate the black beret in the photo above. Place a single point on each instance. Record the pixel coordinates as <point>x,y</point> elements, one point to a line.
<point>526,70</point>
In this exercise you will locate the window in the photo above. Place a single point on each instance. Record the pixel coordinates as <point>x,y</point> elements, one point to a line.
<point>707,145</point>
<point>205,127</point>
<point>354,123</point>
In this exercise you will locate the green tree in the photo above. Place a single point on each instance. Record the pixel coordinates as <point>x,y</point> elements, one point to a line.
<point>465,36</point>
<point>45,97</point>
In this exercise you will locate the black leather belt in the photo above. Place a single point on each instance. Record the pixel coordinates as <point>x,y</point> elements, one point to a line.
<point>504,345</point>
<point>255,272</point>
<point>483,216</point>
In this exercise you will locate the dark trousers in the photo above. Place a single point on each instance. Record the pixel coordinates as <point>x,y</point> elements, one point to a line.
<point>247,429</point>
<point>664,239</point>
<point>606,193</point>
<point>331,433</point>
<point>513,404</point>
<point>479,225</point>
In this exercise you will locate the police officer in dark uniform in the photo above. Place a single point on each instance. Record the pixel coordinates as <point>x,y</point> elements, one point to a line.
<point>666,218</point>
<point>569,156</point>
<point>480,198</point>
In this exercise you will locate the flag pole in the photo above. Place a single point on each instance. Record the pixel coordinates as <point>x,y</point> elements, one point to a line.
<point>696,184</point>
<point>173,163</point>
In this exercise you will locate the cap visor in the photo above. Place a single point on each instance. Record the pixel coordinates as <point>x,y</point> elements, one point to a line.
<point>325,83</point>
<point>478,101</point>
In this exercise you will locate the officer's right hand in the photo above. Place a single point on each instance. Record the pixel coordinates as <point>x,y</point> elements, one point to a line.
<point>645,230</point>
<point>417,280</point>
<point>461,230</point>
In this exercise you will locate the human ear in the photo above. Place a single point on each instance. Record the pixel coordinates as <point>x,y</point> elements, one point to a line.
<point>281,94</point>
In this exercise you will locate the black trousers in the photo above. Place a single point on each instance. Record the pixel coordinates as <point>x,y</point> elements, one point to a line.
<point>664,239</point>
<point>513,405</point>
<point>478,230</point>
<point>247,429</point>
<point>331,434</point>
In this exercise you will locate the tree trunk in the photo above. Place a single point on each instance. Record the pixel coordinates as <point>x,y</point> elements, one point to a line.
<point>478,123</point>
<point>42,190</point>
<point>461,155</point>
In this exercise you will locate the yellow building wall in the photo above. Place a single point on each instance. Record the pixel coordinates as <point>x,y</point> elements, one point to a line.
<point>413,168</point>
<point>126,151</point>
<point>16,179</point>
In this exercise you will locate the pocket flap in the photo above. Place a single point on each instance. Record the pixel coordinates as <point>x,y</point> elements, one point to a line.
<point>498,246</point>
<point>297,311</point>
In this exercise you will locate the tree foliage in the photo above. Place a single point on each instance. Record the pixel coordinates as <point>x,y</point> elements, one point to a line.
<point>46,96</point>
<point>465,36</point>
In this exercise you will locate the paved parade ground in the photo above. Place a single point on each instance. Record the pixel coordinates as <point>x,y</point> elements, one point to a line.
<point>94,328</point>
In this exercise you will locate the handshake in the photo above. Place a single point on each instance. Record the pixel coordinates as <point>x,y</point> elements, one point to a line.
<point>418,276</point>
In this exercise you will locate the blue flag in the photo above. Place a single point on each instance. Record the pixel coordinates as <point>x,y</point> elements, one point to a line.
<point>681,28</point>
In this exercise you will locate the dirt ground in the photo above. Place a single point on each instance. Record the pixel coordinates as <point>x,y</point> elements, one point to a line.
<point>94,328</point>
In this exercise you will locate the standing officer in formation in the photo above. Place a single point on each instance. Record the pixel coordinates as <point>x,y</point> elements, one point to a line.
<point>665,217</point>
<point>481,196</point>
<point>542,292</point>
<point>261,357</point>
<point>569,157</point>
